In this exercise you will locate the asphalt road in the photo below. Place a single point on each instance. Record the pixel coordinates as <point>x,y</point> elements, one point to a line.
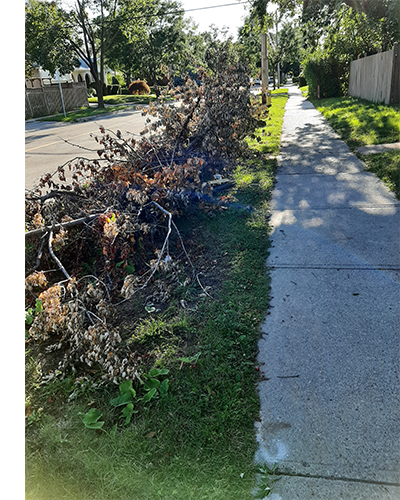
<point>46,147</point>
<point>330,350</point>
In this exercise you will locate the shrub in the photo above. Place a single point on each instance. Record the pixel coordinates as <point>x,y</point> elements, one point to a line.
<point>138,87</point>
<point>324,71</point>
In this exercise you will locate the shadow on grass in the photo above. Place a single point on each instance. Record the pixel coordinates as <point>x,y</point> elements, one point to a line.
<point>360,122</point>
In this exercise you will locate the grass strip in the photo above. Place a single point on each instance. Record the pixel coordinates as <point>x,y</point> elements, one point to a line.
<point>199,441</point>
<point>360,123</point>
<point>387,167</point>
<point>85,112</point>
<point>123,99</point>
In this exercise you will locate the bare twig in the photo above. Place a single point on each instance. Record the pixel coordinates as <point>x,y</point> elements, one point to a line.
<point>54,194</point>
<point>39,256</point>
<point>77,145</point>
<point>55,258</point>
<point>70,223</point>
<point>201,286</point>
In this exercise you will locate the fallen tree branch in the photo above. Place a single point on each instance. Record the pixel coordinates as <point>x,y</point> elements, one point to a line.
<point>76,222</point>
<point>55,258</point>
<point>39,256</point>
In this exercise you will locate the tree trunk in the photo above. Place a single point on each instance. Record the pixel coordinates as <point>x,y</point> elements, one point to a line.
<point>100,101</point>
<point>100,97</point>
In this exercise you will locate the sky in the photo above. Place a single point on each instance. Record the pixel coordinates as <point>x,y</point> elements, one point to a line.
<point>231,15</point>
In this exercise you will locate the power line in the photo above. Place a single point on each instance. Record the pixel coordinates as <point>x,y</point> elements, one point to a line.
<point>182,11</point>
<point>215,6</point>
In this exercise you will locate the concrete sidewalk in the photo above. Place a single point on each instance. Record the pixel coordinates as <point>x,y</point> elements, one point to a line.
<point>329,353</point>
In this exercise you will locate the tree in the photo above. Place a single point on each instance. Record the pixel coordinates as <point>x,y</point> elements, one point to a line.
<point>337,34</point>
<point>290,41</point>
<point>165,44</point>
<point>125,31</point>
<point>49,37</point>
<point>249,44</point>
<point>149,39</point>
<point>57,38</point>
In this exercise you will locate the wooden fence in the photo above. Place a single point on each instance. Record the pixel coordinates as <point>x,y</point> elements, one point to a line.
<point>46,100</point>
<point>377,77</point>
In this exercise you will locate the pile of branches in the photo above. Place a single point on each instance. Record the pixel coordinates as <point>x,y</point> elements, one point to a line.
<point>117,211</point>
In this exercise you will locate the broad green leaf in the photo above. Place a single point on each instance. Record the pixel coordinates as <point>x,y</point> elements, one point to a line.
<point>164,388</point>
<point>149,395</point>
<point>91,419</point>
<point>28,318</point>
<point>123,399</point>
<point>129,269</point>
<point>192,360</point>
<point>127,412</point>
<point>156,372</point>
<point>151,383</point>
<point>125,387</point>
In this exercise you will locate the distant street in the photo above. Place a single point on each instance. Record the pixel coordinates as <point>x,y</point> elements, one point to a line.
<point>46,149</point>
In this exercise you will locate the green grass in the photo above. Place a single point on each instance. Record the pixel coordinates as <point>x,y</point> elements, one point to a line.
<point>267,139</point>
<point>387,167</point>
<point>123,99</point>
<point>282,90</point>
<point>199,441</point>
<point>304,90</point>
<point>360,123</point>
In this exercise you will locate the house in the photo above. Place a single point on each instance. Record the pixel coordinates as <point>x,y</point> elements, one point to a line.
<point>40,77</point>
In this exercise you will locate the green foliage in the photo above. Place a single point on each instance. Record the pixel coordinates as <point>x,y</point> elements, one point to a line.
<point>387,167</point>
<point>336,33</point>
<point>266,481</point>
<point>321,70</point>
<point>125,399</point>
<point>31,313</point>
<point>360,122</point>
<point>153,386</point>
<point>92,419</point>
<point>49,37</point>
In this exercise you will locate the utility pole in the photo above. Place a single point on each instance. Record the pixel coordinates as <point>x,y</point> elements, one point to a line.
<point>264,68</point>
<point>278,68</point>
<point>61,94</point>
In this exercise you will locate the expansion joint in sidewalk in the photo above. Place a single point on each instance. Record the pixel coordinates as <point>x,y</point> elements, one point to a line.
<point>335,478</point>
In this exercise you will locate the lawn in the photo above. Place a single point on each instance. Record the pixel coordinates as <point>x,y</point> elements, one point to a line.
<point>84,112</point>
<point>113,103</point>
<point>123,99</point>
<point>360,123</point>
<point>197,442</point>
